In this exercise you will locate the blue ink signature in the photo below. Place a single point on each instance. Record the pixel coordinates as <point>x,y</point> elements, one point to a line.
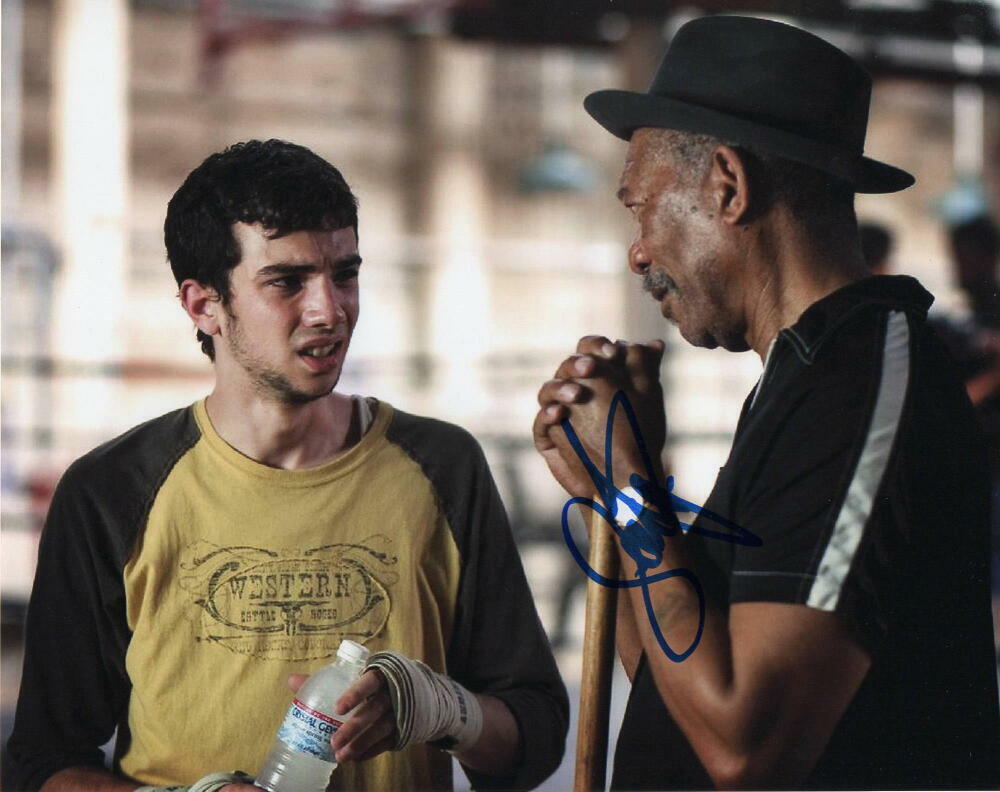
<point>643,539</point>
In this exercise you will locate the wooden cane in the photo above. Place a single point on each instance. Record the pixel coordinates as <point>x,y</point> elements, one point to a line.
<point>598,661</point>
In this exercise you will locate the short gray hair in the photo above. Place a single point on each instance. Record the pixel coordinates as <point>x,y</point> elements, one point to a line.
<point>821,202</point>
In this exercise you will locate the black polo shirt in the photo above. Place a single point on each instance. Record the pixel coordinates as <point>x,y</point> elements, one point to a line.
<point>859,463</point>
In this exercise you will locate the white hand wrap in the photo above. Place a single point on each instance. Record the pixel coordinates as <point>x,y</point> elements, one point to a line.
<point>429,707</point>
<point>210,783</point>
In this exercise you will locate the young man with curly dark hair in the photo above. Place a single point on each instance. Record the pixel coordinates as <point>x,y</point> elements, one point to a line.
<point>192,565</point>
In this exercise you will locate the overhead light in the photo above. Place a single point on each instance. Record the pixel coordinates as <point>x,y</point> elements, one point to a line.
<point>557,169</point>
<point>965,201</point>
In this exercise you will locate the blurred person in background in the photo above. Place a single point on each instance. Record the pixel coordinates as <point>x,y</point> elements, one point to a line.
<point>825,620</point>
<point>974,340</point>
<point>975,248</point>
<point>190,566</point>
<point>876,246</point>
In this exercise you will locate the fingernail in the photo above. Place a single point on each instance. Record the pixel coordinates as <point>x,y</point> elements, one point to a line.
<point>608,350</point>
<point>552,411</point>
<point>581,365</point>
<point>568,391</point>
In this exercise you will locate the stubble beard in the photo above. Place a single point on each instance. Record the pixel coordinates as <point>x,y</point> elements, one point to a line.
<point>719,322</point>
<point>706,306</point>
<point>265,380</point>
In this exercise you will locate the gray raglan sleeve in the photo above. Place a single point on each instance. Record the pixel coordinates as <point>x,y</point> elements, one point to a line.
<point>498,646</point>
<point>74,688</point>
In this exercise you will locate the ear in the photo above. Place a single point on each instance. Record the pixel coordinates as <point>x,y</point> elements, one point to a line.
<point>202,305</point>
<point>730,185</point>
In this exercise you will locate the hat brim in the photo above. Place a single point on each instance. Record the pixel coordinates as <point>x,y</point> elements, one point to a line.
<point>623,112</point>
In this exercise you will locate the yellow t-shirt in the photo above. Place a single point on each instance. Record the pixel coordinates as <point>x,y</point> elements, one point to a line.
<point>247,573</point>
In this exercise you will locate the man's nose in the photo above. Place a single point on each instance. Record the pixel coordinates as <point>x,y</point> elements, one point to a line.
<point>638,261</point>
<point>323,306</point>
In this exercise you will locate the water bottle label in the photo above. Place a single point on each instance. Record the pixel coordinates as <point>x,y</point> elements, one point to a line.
<point>309,731</point>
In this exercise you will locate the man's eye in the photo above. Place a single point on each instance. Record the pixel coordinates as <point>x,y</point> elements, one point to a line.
<point>345,275</point>
<point>289,283</point>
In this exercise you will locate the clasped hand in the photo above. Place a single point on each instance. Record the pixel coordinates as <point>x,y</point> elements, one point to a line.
<point>581,391</point>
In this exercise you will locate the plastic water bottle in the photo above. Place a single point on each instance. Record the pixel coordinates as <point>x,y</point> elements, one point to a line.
<point>301,759</point>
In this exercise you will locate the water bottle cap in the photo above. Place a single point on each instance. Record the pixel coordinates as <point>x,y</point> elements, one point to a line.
<point>352,652</point>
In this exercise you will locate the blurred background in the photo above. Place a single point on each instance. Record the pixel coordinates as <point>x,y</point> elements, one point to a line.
<point>488,224</point>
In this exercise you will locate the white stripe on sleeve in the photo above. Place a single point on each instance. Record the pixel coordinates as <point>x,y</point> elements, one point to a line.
<point>857,505</point>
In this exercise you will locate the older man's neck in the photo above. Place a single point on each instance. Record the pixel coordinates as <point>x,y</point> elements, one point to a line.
<point>792,272</point>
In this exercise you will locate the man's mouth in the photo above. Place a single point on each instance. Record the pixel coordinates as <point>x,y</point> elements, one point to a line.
<point>658,283</point>
<point>321,356</point>
<point>320,351</point>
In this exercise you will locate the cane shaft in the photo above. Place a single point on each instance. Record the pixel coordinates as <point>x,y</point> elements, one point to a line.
<point>598,662</point>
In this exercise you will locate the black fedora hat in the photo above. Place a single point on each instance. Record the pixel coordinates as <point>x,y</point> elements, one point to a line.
<point>769,86</point>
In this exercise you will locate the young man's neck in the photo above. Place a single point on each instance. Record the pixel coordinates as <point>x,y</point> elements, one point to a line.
<point>281,435</point>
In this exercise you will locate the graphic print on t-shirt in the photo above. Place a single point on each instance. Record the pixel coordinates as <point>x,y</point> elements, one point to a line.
<point>288,603</point>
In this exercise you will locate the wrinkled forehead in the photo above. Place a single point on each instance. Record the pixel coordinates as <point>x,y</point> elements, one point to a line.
<point>639,147</point>
<point>646,158</point>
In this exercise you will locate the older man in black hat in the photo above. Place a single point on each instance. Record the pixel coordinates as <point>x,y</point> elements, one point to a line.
<point>825,620</point>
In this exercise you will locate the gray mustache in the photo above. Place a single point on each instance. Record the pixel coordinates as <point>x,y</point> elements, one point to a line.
<point>657,281</point>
